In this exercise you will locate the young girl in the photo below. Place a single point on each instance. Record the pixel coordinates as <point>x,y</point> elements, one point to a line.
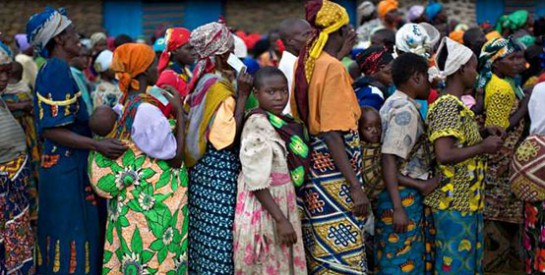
<point>274,158</point>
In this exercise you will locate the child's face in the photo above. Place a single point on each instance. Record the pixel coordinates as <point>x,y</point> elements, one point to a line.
<point>273,94</point>
<point>370,127</point>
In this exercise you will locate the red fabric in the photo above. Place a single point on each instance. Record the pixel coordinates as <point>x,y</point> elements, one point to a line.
<point>541,78</point>
<point>433,96</point>
<point>170,77</point>
<point>174,39</point>
<point>280,46</point>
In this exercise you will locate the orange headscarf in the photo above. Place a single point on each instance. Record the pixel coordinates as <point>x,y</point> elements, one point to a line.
<point>385,6</point>
<point>457,36</point>
<point>130,60</point>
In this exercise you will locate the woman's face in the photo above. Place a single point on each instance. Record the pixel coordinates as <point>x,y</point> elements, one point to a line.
<point>510,65</point>
<point>221,60</point>
<point>384,76</point>
<point>69,41</point>
<point>4,76</point>
<point>152,73</point>
<point>185,55</point>
<point>470,72</point>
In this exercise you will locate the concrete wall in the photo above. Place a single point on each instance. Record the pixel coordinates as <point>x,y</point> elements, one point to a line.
<point>14,14</point>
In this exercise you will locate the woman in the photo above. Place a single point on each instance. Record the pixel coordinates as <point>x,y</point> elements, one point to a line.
<point>335,203</point>
<point>371,88</point>
<point>147,186</point>
<point>458,203</point>
<point>216,111</point>
<point>69,222</point>
<point>530,168</point>
<point>16,234</point>
<point>506,106</point>
<point>178,53</point>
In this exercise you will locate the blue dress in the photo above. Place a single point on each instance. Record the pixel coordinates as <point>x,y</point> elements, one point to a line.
<point>69,229</point>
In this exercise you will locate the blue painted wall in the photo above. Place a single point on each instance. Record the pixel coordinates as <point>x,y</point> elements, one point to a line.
<point>491,10</point>
<point>198,13</point>
<point>123,17</point>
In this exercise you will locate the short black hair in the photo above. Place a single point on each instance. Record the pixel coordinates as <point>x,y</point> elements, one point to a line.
<point>442,58</point>
<point>267,72</point>
<point>406,65</point>
<point>122,39</point>
<point>471,34</point>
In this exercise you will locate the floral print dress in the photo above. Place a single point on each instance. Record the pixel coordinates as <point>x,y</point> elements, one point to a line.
<point>257,248</point>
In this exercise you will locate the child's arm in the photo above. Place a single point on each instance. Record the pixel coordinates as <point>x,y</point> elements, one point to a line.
<point>283,226</point>
<point>448,152</point>
<point>423,186</point>
<point>400,218</point>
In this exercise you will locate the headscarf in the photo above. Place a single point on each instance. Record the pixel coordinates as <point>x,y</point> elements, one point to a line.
<point>513,21</point>
<point>413,38</point>
<point>103,61</point>
<point>22,42</point>
<point>44,26</point>
<point>241,51</point>
<point>159,45</point>
<point>433,9</point>
<point>372,58</point>
<point>6,56</point>
<point>458,55</point>
<point>415,12</point>
<point>170,77</point>
<point>325,17</point>
<point>492,51</point>
<point>130,60</point>
<point>174,39</point>
<point>386,6</point>
<point>457,36</point>
<point>492,35</point>
<point>365,9</point>
<point>209,40</point>
<point>98,37</point>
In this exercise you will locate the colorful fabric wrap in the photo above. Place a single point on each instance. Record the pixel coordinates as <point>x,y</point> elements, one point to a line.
<point>413,38</point>
<point>174,39</point>
<point>294,134</point>
<point>44,26</point>
<point>513,21</point>
<point>493,50</point>
<point>415,12</point>
<point>325,17</point>
<point>209,40</point>
<point>371,60</point>
<point>528,180</point>
<point>21,40</point>
<point>433,9</point>
<point>6,56</point>
<point>386,6</point>
<point>130,60</point>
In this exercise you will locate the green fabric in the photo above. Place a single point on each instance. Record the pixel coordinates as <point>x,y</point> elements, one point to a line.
<point>513,21</point>
<point>251,102</point>
<point>527,40</point>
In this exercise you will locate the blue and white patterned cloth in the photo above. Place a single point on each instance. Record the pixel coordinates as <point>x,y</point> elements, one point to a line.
<point>44,26</point>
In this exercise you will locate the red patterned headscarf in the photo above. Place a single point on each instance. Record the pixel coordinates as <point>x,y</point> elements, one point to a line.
<point>174,39</point>
<point>372,59</point>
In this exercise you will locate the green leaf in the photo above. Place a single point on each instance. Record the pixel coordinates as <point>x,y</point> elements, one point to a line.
<point>110,232</point>
<point>163,165</point>
<point>102,161</point>
<point>107,184</point>
<point>136,242</point>
<point>161,256</point>
<point>135,206</point>
<point>184,178</point>
<point>163,180</point>
<point>151,271</point>
<point>174,184</point>
<point>172,272</point>
<point>128,158</point>
<point>123,221</point>
<point>162,197</point>
<point>107,256</point>
<point>185,245</point>
<point>166,218</point>
<point>146,173</point>
<point>106,270</point>
<point>146,256</point>
<point>172,247</point>
<point>119,254</point>
<point>139,161</point>
<point>157,245</point>
<point>116,168</point>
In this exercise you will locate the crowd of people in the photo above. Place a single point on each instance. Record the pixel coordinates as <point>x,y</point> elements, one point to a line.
<point>406,145</point>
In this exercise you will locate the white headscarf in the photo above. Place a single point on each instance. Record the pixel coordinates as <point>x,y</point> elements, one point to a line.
<point>413,38</point>
<point>536,110</point>
<point>458,55</point>
<point>103,61</point>
<point>365,9</point>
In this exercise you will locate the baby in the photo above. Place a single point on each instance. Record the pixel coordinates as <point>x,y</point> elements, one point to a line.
<point>370,129</point>
<point>103,120</point>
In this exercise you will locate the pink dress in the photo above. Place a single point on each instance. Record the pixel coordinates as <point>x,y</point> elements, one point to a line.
<point>257,248</point>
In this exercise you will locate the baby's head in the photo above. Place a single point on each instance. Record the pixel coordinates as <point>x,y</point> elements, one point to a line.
<point>271,90</point>
<point>16,73</point>
<point>370,126</point>
<point>102,121</point>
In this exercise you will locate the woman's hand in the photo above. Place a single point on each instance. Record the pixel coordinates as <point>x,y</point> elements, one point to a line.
<point>286,232</point>
<point>174,99</point>
<point>400,220</point>
<point>429,185</point>
<point>360,200</point>
<point>245,82</point>
<point>110,147</point>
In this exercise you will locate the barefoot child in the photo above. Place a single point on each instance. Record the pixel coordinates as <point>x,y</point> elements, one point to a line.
<point>274,156</point>
<point>400,213</point>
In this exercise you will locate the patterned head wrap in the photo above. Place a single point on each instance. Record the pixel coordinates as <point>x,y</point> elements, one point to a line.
<point>415,12</point>
<point>458,55</point>
<point>98,37</point>
<point>365,9</point>
<point>209,40</point>
<point>22,42</point>
<point>413,38</point>
<point>372,58</point>
<point>457,36</point>
<point>493,50</point>
<point>325,17</point>
<point>44,26</point>
<point>386,6</point>
<point>6,56</point>
<point>433,9</point>
<point>174,39</point>
<point>513,21</point>
<point>103,61</point>
<point>130,60</point>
